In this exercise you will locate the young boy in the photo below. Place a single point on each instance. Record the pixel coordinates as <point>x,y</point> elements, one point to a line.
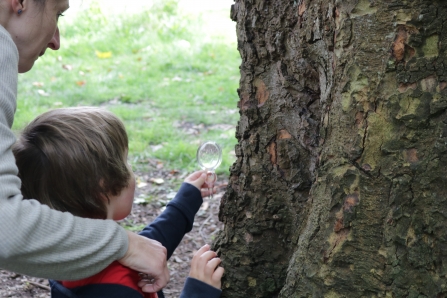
<point>75,160</point>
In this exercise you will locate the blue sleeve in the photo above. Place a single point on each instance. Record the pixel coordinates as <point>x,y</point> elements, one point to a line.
<point>177,219</point>
<point>195,288</point>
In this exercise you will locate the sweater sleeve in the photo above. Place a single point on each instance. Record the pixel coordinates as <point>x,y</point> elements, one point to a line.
<point>34,239</point>
<point>195,288</point>
<point>177,219</point>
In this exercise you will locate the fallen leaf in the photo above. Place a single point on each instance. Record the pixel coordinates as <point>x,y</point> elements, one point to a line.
<point>171,195</point>
<point>156,147</point>
<point>177,259</point>
<point>224,127</point>
<point>191,131</point>
<point>42,92</point>
<point>205,206</point>
<point>67,67</point>
<point>103,55</point>
<point>157,180</point>
<point>138,200</point>
<point>141,199</point>
<point>80,83</point>
<point>38,84</point>
<point>141,184</point>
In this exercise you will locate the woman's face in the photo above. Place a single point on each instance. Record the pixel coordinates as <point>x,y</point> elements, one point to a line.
<point>35,30</point>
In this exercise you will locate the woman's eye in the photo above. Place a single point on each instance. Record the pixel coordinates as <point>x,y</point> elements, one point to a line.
<point>59,15</point>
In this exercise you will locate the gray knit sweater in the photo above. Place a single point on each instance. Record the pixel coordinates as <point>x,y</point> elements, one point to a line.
<point>34,239</point>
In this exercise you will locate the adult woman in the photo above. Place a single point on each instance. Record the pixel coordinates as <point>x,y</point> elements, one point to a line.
<point>34,239</point>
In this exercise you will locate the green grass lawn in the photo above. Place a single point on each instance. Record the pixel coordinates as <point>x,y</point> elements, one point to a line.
<point>162,71</point>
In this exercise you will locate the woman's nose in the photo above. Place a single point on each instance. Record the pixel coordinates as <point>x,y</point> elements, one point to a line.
<point>55,42</point>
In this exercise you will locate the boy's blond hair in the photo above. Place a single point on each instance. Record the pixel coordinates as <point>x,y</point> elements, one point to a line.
<point>71,159</point>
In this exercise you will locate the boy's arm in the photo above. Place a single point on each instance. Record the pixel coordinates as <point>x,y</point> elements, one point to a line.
<point>177,219</point>
<point>195,288</point>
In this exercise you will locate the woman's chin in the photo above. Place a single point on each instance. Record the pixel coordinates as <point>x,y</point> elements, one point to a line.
<point>24,67</point>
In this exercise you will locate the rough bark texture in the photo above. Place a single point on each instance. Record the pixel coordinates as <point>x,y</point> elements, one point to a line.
<point>340,186</point>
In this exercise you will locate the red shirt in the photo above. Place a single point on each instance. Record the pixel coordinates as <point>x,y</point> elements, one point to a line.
<point>115,273</point>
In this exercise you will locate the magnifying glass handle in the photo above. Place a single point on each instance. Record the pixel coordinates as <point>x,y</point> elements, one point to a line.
<point>210,179</point>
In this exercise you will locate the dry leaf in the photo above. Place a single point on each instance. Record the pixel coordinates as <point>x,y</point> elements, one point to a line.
<point>177,259</point>
<point>224,127</point>
<point>42,92</point>
<point>38,84</point>
<point>141,184</point>
<point>171,195</point>
<point>157,180</point>
<point>67,67</point>
<point>205,206</point>
<point>81,83</point>
<point>141,199</point>
<point>103,55</point>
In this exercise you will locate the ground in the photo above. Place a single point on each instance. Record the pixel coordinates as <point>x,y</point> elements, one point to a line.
<point>159,186</point>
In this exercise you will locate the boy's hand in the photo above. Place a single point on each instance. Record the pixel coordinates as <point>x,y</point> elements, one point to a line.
<point>198,179</point>
<point>205,267</point>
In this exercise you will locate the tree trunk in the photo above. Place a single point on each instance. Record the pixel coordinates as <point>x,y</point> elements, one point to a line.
<point>340,183</point>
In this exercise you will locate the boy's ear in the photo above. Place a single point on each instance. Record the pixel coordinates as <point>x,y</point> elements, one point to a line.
<point>17,5</point>
<point>104,197</point>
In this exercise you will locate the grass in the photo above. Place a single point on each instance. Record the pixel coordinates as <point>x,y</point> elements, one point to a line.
<point>171,81</point>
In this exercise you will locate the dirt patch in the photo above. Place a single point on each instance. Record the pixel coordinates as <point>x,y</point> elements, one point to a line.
<point>159,186</point>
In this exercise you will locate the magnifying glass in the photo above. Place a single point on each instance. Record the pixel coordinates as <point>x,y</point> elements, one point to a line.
<point>209,157</point>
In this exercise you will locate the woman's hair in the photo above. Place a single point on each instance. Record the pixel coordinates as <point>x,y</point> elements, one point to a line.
<point>71,159</point>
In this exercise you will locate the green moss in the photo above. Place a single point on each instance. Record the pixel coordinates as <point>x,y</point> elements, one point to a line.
<point>409,106</point>
<point>362,8</point>
<point>430,48</point>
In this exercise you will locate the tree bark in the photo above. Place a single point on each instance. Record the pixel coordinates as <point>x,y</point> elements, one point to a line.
<point>339,188</point>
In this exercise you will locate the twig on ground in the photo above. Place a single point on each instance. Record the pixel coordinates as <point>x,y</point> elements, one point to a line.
<point>39,285</point>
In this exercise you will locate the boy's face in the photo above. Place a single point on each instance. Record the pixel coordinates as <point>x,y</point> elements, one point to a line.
<point>121,205</point>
